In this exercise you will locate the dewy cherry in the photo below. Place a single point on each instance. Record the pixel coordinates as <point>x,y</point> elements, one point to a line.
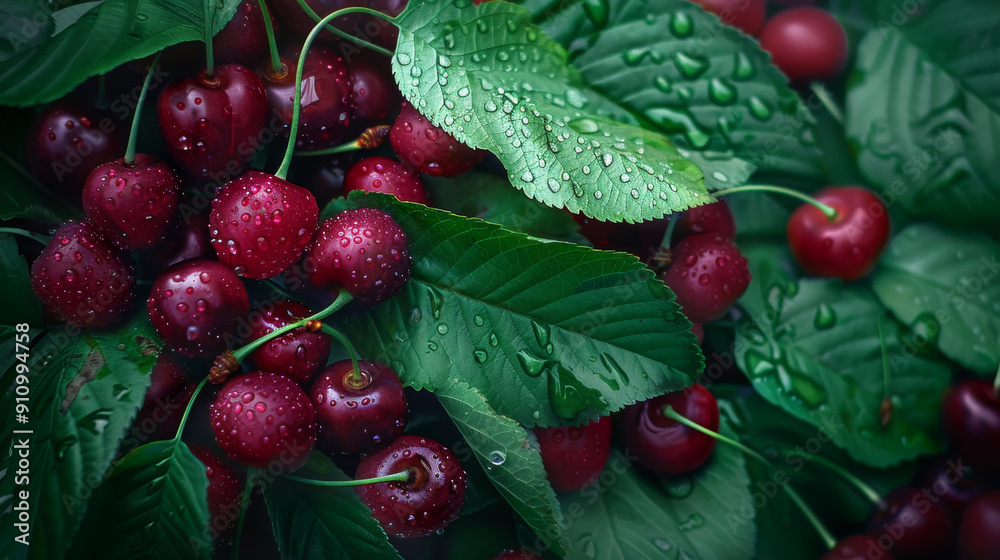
<point>225,487</point>
<point>665,445</point>
<point>857,547</point>
<point>68,140</point>
<point>708,274</point>
<point>298,354</point>
<point>715,218</point>
<point>381,174</point>
<point>429,149</point>
<point>574,456</point>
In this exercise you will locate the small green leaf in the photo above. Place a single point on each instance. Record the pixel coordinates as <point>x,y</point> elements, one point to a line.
<point>155,499</point>
<point>549,333</point>
<point>946,285</point>
<point>17,298</point>
<point>491,78</point>
<point>629,514</point>
<point>324,522</point>
<point>511,460</point>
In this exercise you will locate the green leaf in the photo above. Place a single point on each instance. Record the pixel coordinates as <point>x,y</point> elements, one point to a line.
<point>511,458</point>
<point>105,37</point>
<point>493,199</point>
<point>549,333</point>
<point>22,197</point>
<point>704,84</point>
<point>946,284</point>
<point>629,515</point>
<point>812,348</point>
<point>924,112</point>
<point>23,26</point>
<point>722,171</point>
<point>71,450</point>
<point>320,522</point>
<point>17,298</point>
<point>491,78</point>
<point>153,504</point>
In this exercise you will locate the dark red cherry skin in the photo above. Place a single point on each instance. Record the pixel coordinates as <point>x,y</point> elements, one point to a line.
<point>384,175</point>
<point>376,96</point>
<point>359,416</point>
<point>849,246</point>
<point>225,490</point>
<point>327,97</point>
<point>430,500</point>
<point>979,531</point>
<point>745,15</point>
<point>298,354</point>
<point>916,525</point>
<point>664,445</point>
<point>708,274</point>
<point>135,205</point>
<point>574,456</point>
<point>518,554</point>
<point>169,390</point>
<point>260,224</point>
<point>971,416</point>
<point>264,419</point>
<point>196,305</point>
<point>805,43</point>
<point>212,125</point>
<point>954,481</point>
<point>82,278</point>
<point>428,148</point>
<point>715,218</point>
<point>67,141</point>
<point>244,39</point>
<point>373,29</point>
<point>190,242</point>
<point>363,251</point>
<point>857,547</point>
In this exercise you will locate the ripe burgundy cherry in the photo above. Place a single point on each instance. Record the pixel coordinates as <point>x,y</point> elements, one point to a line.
<point>375,93</point>
<point>262,419</point>
<point>169,391</point>
<point>211,124</point>
<point>133,204</point>
<point>431,498</point>
<point>381,174</point>
<point>715,218</point>
<point>327,97</point>
<point>805,43</point>
<point>373,29</point>
<point>359,415</point>
<point>847,247</point>
<point>745,15</point>
<point>912,524</point>
<point>971,416</point>
<point>68,140</point>
<point>575,455</point>
<point>979,531</point>
<point>261,224</point>
<point>83,278</point>
<point>225,490</point>
<point>190,242</point>
<point>708,274</point>
<point>244,39</point>
<point>857,547</point>
<point>430,149</point>
<point>954,482</point>
<point>298,354</point>
<point>195,305</point>
<point>363,251</point>
<point>665,445</point>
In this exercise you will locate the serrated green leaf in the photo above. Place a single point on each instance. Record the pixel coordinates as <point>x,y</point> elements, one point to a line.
<point>491,78</point>
<point>71,451</point>
<point>319,522</point>
<point>511,459</point>
<point>105,37</point>
<point>946,285</point>
<point>549,333</point>
<point>630,515</point>
<point>924,112</point>
<point>17,299</point>
<point>153,504</point>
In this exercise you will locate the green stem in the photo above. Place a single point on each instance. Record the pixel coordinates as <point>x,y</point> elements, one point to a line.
<point>343,340</point>
<point>811,516</point>
<point>828,211</point>
<point>343,298</point>
<point>133,134</point>
<point>209,55</point>
<point>397,477</point>
<point>44,240</point>
<point>271,43</point>
<point>343,34</point>
<point>996,382</point>
<point>852,480</point>
<point>827,100</point>
<point>885,360</point>
<point>244,503</point>
<point>669,234</point>
<point>190,405</point>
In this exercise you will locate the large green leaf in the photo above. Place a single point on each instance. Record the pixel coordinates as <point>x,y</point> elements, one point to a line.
<point>75,437</point>
<point>947,284</point>
<point>103,38</point>
<point>319,522</point>
<point>153,504</point>
<point>627,515</point>
<point>17,299</point>
<point>491,78</point>
<point>924,111</point>
<point>511,459</point>
<point>548,332</point>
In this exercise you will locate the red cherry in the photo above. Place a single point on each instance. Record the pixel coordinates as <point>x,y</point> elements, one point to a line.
<point>847,247</point>
<point>665,445</point>
<point>715,218</point>
<point>510,554</point>
<point>979,531</point>
<point>298,354</point>
<point>374,29</point>
<point>805,43</point>
<point>244,39</point>
<point>857,547</point>
<point>912,524</point>
<point>225,490</point>
<point>575,455</point>
<point>429,149</point>
<point>381,174</point>
<point>745,15</point>
<point>971,416</point>
<point>68,140</point>
<point>375,93</point>
<point>708,274</point>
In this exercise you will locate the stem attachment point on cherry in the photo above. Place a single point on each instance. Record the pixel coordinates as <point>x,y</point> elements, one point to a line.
<point>828,211</point>
<point>357,378</point>
<point>276,66</point>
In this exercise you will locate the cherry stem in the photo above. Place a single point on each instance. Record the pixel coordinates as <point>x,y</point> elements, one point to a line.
<point>133,134</point>
<point>996,382</point>
<point>343,298</point>
<point>821,93</point>
<point>402,476</point>
<point>343,340</point>
<point>293,128</point>
<point>851,479</point>
<point>343,34</point>
<point>669,234</point>
<point>369,139</point>
<point>885,360</point>
<point>811,516</point>
<point>209,55</point>
<point>271,43</point>
<point>44,240</point>
<point>190,405</point>
<point>244,504</point>
<point>828,211</point>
